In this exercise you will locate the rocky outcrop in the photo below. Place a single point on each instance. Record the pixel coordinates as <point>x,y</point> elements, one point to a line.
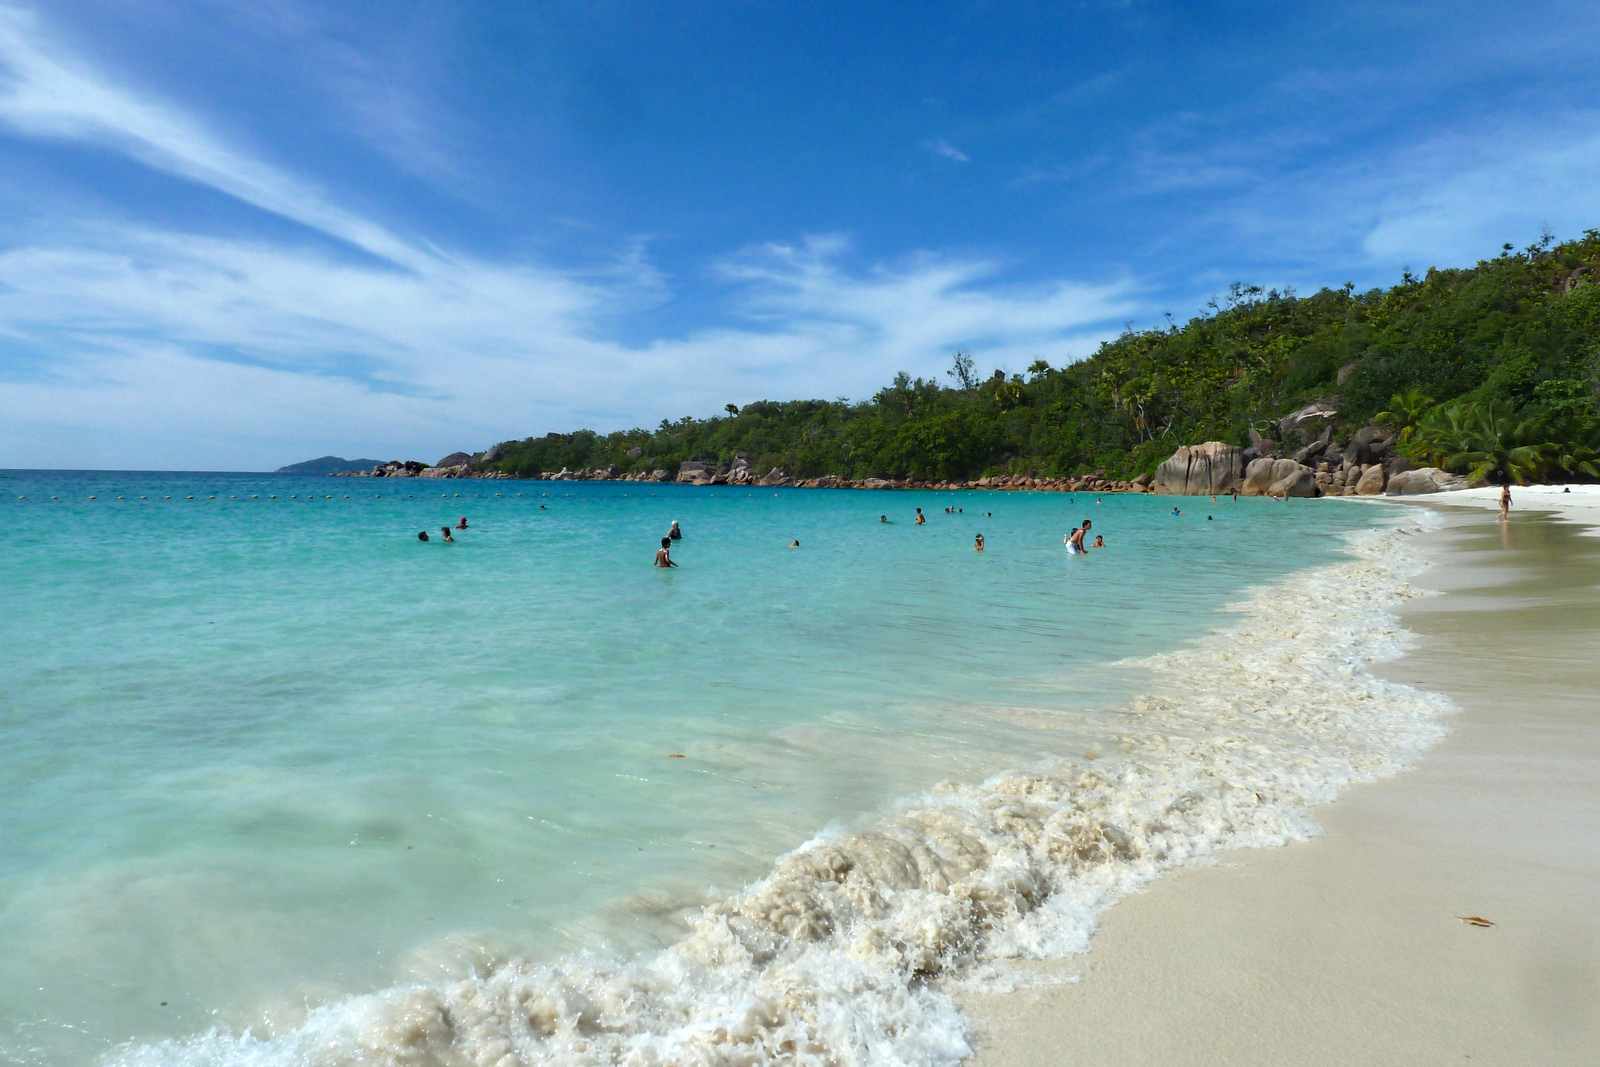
<point>1298,482</point>
<point>1200,470</point>
<point>1262,474</point>
<point>493,455</point>
<point>1424,480</point>
<point>1368,445</point>
<point>1372,481</point>
<point>693,472</point>
<point>1312,414</point>
<point>457,459</point>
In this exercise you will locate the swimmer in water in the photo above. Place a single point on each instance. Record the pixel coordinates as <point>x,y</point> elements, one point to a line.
<point>920,518</point>
<point>664,553</point>
<point>1099,542</point>
<point>462,525</point>
<point>794,544</point>
<point>1075,546</point>
<point>543,508</point>
<point>446,531</point>
<point>977,543</point>
<point>675,533</point>
<point>1175,511</point>
<point>883,518</point>
<point>423,536</point>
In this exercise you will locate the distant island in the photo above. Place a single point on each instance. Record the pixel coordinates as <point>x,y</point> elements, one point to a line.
<point>328,465</point>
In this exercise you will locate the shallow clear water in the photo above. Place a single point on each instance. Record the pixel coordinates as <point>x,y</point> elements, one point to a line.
<point>257,753</point>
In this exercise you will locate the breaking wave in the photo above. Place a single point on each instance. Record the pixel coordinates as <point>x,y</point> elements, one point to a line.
<point>836,957</point>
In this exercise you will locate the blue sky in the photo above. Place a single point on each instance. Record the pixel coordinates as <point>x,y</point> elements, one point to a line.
<point>235,235</point>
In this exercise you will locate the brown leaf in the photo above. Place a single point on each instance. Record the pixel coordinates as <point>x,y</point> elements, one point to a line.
<point>1474,920</point>
<point>675,755</point>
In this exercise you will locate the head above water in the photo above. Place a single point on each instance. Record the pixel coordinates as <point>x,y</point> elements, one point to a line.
<point>666,542</point>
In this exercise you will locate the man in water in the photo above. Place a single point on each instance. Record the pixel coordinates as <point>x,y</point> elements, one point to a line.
<point>1099,542</point>
<point>675,533</point>
<point>920,519</point>
<point>446,531</point>
<point>462,525</point>
<point>883,518</point>
<point>423,536</point>
<point>1075,539</point>
<point>664,553</point>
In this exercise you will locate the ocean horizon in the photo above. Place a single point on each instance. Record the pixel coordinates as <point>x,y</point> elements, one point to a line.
<point>287,785</point>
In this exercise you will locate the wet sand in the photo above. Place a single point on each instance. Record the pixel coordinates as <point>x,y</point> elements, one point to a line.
<point>1350,948</point>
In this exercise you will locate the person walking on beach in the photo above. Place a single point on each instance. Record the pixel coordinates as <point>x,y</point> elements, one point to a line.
<point>675,533</point>
<point>1505,501</point>
<point>664,553</point>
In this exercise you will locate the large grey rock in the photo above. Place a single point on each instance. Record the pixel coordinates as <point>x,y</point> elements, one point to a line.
<point>1264,473</point>
<point>1372,480</point>
<point>1264,445</point>
<point>456,459</point>
<point>635,452</point>
<point>1300,482</point>
<point>1424,480</point>
<point>1309,455</point>
<point>1368,445</point>
<point>1200,470</point>
<point>1310,414</point>
<point>876,483</point>
<point>494,454</point>
<point>777,476</point>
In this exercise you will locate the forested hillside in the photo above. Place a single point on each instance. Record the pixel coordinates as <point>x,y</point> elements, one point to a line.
<point>1495,366</point>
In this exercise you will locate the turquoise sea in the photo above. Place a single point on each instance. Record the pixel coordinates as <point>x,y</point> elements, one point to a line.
<point>261,750</point>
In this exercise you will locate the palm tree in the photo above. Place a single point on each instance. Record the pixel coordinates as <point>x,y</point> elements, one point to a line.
<point>1496,442</point>
<point>1405,412</point>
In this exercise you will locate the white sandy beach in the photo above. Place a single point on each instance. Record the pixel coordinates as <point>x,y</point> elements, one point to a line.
<point>1350,948</point>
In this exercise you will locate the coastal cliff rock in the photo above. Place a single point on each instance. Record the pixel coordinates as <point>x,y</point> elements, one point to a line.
<point>1309,414</point>
<point>1368,445</point>
<point>1200,470</point>
<point>1300,482</point>
<point>1424,480</point>
<point>457,459</point>
<point>693,472</point>
<point>1371,482</point>
<point>1263,475</point>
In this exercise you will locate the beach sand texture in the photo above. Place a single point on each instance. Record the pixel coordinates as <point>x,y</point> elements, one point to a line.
<point>1352,948</point>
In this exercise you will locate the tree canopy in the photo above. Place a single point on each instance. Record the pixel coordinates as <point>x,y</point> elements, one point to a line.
<point>1512,343</point>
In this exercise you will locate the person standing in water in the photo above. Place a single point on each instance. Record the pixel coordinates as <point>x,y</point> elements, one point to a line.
<point>1075,546</point>
<point>446,531</point>
<point>920,519</point>
<point>1505,501</point>
<point>977,543</point>
<point>423,536</point>
<point>664,553</point>
<point>462,525</point>
<point>675,533</point>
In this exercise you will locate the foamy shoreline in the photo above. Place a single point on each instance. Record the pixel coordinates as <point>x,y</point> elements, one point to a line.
<point>844,954</point>
<point>1351,948</point>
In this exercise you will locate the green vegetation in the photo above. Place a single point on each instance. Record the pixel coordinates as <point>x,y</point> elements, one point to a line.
<point>1490,368</point>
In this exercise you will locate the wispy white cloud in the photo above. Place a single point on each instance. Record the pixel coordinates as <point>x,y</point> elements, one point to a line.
<point>45,91</point>
<point>940,147</point>
<point>131,345</point>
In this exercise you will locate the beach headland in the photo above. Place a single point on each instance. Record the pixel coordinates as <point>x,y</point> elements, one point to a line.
<point>1360,946</point>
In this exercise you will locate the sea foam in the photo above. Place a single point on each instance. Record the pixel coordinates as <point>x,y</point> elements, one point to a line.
<point>843,953</point>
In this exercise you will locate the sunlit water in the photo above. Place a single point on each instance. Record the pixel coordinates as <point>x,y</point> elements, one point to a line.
<point>262,748</point>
